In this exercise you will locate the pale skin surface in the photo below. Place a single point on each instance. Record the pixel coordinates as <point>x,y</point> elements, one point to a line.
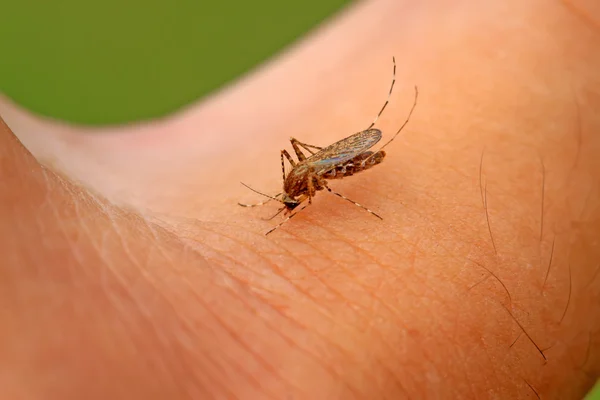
<point>192,301</point>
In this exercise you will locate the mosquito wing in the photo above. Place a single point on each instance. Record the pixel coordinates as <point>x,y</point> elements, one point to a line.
<point>344,150</point>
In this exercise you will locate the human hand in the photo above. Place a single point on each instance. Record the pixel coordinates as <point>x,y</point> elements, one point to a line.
<point>134,274</point>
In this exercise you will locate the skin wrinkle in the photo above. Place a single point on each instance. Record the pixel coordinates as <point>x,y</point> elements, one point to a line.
<point>423,354</point>
<point>146,312</point>
<point>232,361</point>
<point>372,258</point>
<point>348,301</point>
<point>123,285</point>
<point>351,275</point>
<point>355,280</point>
<point>581,15</point>
<point>380,336</point>
<point>251,378</point>
<point>52,206</point>
<point>238,338</point>
<point>102,253</point>
<point>60,224</point>
<point>173,376</point>
<point>215,364</point>
<point>371,294</point>
<point>278,271</point>
<point>288,339</point>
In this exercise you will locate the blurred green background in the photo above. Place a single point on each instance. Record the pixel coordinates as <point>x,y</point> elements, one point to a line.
<point>118,61</point>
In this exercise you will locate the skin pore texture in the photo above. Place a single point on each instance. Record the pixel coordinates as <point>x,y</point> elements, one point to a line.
<point>129,272</point>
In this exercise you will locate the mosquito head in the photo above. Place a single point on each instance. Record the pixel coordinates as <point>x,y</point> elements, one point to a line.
<point>290,202</point>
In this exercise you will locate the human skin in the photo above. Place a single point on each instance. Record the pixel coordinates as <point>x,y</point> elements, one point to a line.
<point>130,272</point>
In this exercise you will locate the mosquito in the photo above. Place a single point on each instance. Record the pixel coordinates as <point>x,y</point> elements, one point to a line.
<point>341,159</point>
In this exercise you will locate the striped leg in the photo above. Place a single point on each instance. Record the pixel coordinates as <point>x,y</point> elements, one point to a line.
<point>289,158</point>
<point>352,201</point>
<point>287,219</point>
<point>297,144</point>
<point>276,214</point>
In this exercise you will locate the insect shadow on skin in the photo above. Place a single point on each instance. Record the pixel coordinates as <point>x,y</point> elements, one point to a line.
<point>341,159</point>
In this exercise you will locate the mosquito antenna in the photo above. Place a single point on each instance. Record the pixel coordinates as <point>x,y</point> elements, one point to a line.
<point>262,194</point>
<point>399,130</point>
<point>405,121</point>
<point>388,96</point>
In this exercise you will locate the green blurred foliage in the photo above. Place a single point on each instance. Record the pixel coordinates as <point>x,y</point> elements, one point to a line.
<point>594,394</point>
<point>117,61</point>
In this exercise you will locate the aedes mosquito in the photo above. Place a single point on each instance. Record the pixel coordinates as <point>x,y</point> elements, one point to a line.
<point>344,158</point>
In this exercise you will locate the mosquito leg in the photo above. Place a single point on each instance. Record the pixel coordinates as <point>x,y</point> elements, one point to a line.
<point>388,96</point>
<point>352,201</point>
<point>287,219</point>
<point>308,147</point>
<point>282,167</point>
<point>276,214</point>
<point>297,144</point>
<point>402,127</point>
<point>289,158</point>
<point>310,186</point>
